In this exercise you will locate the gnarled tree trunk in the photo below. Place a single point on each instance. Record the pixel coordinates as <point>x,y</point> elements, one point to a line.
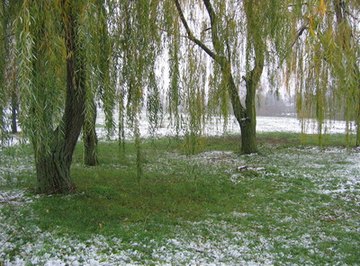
<point>53,167</point>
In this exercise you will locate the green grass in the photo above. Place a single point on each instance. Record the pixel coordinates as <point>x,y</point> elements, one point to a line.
<point>280,203</point>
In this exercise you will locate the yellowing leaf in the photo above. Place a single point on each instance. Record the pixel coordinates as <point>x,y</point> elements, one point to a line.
<point>322,7</point>
<point>311,26</point>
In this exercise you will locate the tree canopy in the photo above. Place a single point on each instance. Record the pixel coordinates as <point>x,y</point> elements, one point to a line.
<point>325,62</point>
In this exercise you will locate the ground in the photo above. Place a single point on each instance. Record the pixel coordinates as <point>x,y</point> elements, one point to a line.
<point>293,205</point>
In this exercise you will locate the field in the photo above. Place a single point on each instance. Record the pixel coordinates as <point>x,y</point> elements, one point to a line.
<point>292,203</point>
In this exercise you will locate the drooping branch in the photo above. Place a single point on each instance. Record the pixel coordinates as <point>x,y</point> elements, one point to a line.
<point>239,110</point>
<point>299,33</point>
<point>213,22</point>
<point>190,35</point>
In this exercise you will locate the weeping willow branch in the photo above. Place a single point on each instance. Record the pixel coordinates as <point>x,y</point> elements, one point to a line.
<point>190,35</point>
<point>299,33</point>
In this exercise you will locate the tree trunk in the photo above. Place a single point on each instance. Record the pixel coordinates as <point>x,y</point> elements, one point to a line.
<point>248,136</point>
<point>53,167</point>
<point>248,126</point>
<point>90,139</point>
<point>245,117</point>
<point>53,172</point>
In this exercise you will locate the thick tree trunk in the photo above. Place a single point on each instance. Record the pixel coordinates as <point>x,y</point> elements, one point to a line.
<point>53,168</point>
<point>248,136</point>
<point>53,172</point>
<point>90,139</point>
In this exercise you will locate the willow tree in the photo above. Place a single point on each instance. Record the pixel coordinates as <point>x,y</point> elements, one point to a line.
<point>8,84</point>
<point>326,62</point>
<point>3,52</point>
<point>56,61</point>
<point>245,36</point>
<point>99,84</point>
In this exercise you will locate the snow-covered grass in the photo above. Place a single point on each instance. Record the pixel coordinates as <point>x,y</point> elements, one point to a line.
<point>290,205</point>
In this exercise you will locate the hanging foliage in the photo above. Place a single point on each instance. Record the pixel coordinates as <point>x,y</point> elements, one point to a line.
<point>137,46</point>
<point>327,62</point>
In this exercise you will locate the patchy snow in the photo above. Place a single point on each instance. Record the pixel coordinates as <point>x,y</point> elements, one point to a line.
<point>224,246</point>
<point>215,126</point>
<point>14,197</point>
<point>333,171</point>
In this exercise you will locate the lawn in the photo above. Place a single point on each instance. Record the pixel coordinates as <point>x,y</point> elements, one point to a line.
<point>294,203</point>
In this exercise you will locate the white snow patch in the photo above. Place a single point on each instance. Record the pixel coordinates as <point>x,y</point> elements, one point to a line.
<point>14,197</point>
<point>215,126</point>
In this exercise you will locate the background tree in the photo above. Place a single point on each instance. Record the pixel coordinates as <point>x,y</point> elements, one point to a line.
<point>245,36</point>
<point>98,82</point>
<point>8,84</point>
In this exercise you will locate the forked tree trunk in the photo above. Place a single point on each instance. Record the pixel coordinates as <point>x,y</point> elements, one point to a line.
<point>53,167</point>
<point>246,117</point>
<point>90,139</point>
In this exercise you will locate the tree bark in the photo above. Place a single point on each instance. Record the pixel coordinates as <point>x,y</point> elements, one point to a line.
<point>53,167</point>
<point>53,171</point>
<point>246,117</point>
<point>248,125</point>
